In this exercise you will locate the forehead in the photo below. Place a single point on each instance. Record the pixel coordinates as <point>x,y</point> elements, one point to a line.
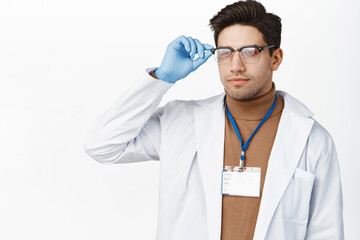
<point>237,36</point>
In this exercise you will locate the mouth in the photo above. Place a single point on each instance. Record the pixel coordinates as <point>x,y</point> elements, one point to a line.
<point>238,81</point>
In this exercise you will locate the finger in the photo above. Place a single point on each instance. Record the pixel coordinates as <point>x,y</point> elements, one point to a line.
<point>193,47</point>
<point>200,61</point>
<point>182,40</point>
<point>200,48</point>
<point>208,46</point>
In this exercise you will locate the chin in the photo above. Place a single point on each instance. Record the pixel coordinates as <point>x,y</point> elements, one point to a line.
<point>242,94</point>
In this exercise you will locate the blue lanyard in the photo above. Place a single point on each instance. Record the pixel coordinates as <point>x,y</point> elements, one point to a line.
<point>245,146</point>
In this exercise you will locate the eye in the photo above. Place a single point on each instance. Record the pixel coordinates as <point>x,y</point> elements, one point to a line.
<point>249,52</point>
<point>224,52</point>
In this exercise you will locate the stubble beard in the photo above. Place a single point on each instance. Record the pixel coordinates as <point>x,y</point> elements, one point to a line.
<point>242,92</point>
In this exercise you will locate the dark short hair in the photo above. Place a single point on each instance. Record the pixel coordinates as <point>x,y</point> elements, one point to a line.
<point>250,13</point>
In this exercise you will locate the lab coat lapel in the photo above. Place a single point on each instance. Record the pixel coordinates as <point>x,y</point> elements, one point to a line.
<point>209,130</point>
<point>293,131</point>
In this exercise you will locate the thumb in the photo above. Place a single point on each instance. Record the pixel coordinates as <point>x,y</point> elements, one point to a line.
<point>200,61</point>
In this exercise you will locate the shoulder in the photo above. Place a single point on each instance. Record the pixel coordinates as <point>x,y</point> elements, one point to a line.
<point>188,106</point>
<point>296,107</point>
<point>320,134</point>
<point>293,105</point>
<point>319,139</point>
<point>198,102</point>
<point>320,143</point>
<point>320,147</point>
<point>179,115</point>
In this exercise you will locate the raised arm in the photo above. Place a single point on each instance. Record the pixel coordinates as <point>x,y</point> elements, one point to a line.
<point>130,130</point>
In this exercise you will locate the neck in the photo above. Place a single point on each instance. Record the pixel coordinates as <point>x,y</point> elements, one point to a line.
<point>251,109</point>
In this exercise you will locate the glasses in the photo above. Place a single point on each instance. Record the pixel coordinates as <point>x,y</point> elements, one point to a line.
<point>249,54</point>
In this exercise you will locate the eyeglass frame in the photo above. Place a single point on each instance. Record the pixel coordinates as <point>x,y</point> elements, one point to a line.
<point>240,49</point>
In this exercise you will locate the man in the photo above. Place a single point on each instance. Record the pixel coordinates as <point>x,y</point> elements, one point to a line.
<point>250,163</point>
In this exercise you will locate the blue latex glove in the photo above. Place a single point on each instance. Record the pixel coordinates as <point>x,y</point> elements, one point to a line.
<point>179,60</point>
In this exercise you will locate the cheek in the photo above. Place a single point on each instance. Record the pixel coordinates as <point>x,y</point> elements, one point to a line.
<point>262,70</point>
<point>222,71</point>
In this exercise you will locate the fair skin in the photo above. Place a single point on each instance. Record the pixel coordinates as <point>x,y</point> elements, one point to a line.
<point>241,80</point>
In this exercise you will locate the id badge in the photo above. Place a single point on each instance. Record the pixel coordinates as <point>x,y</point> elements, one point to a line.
<point>241,182</point>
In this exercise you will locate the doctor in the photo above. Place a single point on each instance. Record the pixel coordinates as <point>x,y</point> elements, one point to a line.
<point>250,163</point>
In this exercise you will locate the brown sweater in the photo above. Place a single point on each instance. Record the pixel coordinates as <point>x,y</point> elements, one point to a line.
<point>239,214</point>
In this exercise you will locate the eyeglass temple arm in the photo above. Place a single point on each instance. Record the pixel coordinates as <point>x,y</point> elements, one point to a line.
<point>270,46</point>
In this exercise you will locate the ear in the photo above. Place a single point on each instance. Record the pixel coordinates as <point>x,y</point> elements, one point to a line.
<point>277,59</point>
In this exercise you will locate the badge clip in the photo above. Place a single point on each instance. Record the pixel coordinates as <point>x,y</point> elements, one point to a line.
<point>242,160</point>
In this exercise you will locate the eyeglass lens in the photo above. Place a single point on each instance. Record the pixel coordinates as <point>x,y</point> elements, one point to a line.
<point>248,55</point>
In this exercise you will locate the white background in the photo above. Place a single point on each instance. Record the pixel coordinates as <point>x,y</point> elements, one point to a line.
<point>64,62</point>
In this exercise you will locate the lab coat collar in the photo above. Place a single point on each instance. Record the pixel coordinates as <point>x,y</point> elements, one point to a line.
<point>293,130</point>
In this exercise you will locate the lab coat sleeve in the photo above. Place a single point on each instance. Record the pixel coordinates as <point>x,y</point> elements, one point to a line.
<point>130,130</point>
<point>326,206</point>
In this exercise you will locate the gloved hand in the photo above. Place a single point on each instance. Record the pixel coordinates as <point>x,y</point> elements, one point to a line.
<point>179,61</point>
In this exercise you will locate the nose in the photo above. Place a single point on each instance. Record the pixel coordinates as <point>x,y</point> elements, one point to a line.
<point>237,64</point>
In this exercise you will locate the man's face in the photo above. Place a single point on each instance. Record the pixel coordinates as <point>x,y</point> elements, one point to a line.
<point>242,80</point>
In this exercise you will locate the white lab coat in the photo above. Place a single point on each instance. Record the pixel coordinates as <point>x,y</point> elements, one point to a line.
<point>302,196</point>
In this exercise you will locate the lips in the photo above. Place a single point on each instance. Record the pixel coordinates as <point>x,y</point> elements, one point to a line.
<point>238,81</point>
